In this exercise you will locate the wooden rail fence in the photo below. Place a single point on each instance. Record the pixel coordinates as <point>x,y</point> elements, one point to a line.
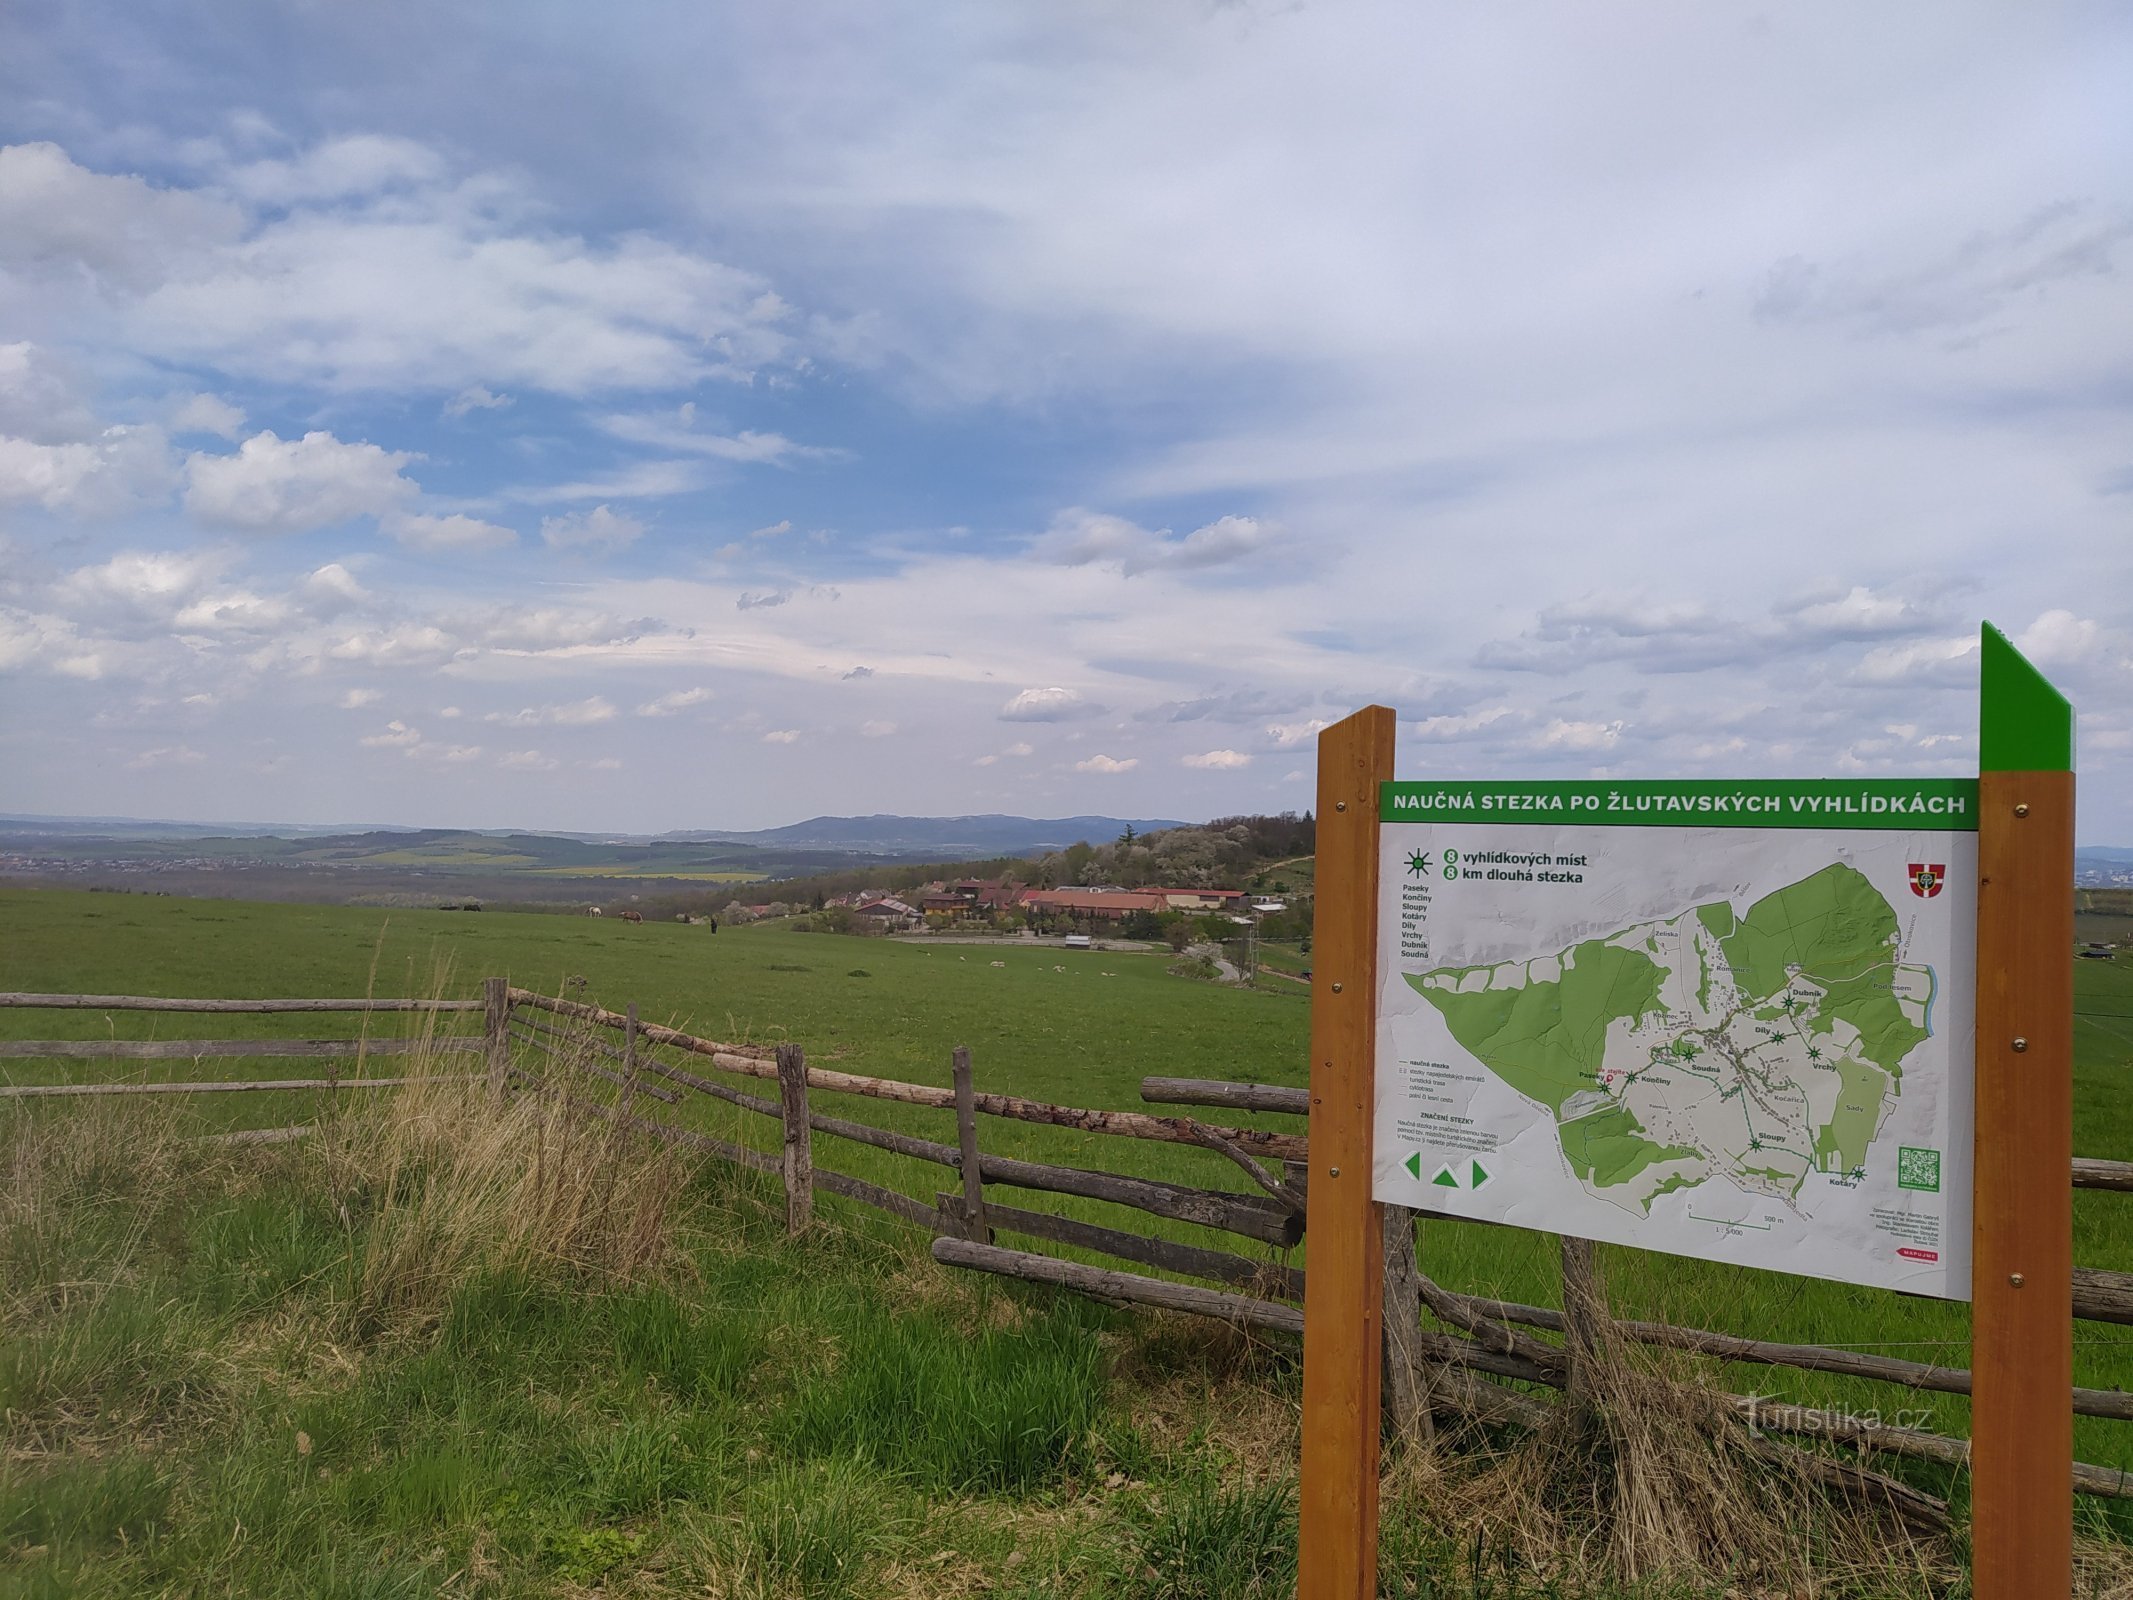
<point>1481,1360</point>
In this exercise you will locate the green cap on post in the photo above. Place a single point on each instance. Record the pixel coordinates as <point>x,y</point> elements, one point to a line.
<point>2024,724</point>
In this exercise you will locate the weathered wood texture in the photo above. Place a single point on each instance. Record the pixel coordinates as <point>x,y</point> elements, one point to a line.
<point>1267,1279</point>
<point>2113,1403</point>
<point>32,1091</point>
<point>797,1166</point>
<point>142,1002</point>
<point>972,1211</point>
<point>1246,1311</point>
<point>1228,1096</point>
<point>2022,1235</point>
<point>1337,1540</point>
<point>204,1049</point>
<point>2089,1173</point>
<point>496,1031</point>
<point>1406,1397</point>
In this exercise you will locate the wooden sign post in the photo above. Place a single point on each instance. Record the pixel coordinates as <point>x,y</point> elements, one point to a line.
<point>1344,1296</point>
<point>2022,1331</point>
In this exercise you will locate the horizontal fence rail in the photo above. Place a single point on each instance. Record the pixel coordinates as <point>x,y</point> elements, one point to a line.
<point>140,1002</point>
<point>204,1049</point>
<point>35,1091</point>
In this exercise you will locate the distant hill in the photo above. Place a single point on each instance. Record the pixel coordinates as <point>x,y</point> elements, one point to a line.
<point>938,838</point>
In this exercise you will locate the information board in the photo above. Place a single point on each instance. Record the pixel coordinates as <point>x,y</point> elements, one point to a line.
<point>1724,1020</point>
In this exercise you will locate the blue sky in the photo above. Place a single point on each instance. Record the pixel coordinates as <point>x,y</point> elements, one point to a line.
<point>715,415</point>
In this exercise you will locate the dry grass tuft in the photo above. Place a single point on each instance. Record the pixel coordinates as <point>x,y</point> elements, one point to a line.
<point>446,1180</point>
<point>1644,1476</point>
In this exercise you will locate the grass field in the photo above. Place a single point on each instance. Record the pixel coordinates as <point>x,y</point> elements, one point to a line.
<point>219,1287</point>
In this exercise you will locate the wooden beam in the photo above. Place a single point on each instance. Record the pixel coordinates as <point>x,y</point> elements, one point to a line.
<point>1337,1546</point>
<point>31,1091</point>
<point>2021,1431</point>
<point>1229,1096</point>
<point>798,1164</point>
<point>967,1157</point>
<point>143,1002</point>
<point>204,1049</point>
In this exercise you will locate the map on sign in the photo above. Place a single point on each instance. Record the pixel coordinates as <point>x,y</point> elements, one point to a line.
<point>1745,1038</point>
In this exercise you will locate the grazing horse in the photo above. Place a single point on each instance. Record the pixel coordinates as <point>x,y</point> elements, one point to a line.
<point>633,916</point>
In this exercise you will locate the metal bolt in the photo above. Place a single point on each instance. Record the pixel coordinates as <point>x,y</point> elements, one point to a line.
<point>2022,810</point>
<point>2020,1045</point>
<point>2014,1280</point>
<point>1336,988</point>
<point>1333,1172</point>
<point>1340,805</point>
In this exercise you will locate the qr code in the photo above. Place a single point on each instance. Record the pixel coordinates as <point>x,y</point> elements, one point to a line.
<point>1917,1169</point>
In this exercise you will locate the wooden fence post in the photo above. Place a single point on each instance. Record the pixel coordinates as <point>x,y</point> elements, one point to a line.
<point>966,1138</point>
<point>629,1056</point>
<point>2022,1241</point>
<point>798,1167</point>
<point>1337,1535</point>
<point>1584,1328</point>
<point>1406,1382</point>
<point>496,1016</point>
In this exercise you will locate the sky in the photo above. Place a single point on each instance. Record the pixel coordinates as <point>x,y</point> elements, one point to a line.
<point>651,417</point>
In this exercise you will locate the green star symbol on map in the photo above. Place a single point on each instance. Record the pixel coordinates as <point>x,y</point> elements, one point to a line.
<point>1418,863</point>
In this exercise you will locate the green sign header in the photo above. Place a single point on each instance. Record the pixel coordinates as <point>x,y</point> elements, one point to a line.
<point>1944,805</point>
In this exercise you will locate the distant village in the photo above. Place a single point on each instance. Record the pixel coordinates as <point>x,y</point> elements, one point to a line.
<point>1000,905</point>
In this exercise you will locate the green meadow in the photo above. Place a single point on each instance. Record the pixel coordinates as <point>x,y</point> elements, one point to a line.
<point>206,1390</point>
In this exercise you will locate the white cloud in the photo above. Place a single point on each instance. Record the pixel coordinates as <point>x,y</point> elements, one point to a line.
<point>145,585</point>
<point>172,755</point>
<point>527,761</point>
<point>771,532</point>
<point>282,282</point>
<point>334,588</point>
<point>677,700</point>
<point>2058,638</point>
<point>397,736</point>
<point>1219,760</point>
<point>457,754</point>
<point>121,468</point>
<point>58,219</point>
<point>359,164</point>
<point>1579,736</point>
<point>406,644</point>
<point>1019,749</point>
<point>1948,661</point>
<point>281,486</point>
<point>455,532</point>
<point>475,398</point>
<point>1047,705</point>
<point>206,413</point>
<point>782,736</point>
<point>601,529</point>
<point>1080,537</point>
<point>751,600</point>
<point>876,729</point>
<point>356,699</point>
<point>1102,763</point>
<point>574,714</point>
<point>664,432</point>
<point>237,610</point>
<point>1287,735</point>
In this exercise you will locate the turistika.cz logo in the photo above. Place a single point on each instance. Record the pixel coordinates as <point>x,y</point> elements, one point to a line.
<point>1926,880</point>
